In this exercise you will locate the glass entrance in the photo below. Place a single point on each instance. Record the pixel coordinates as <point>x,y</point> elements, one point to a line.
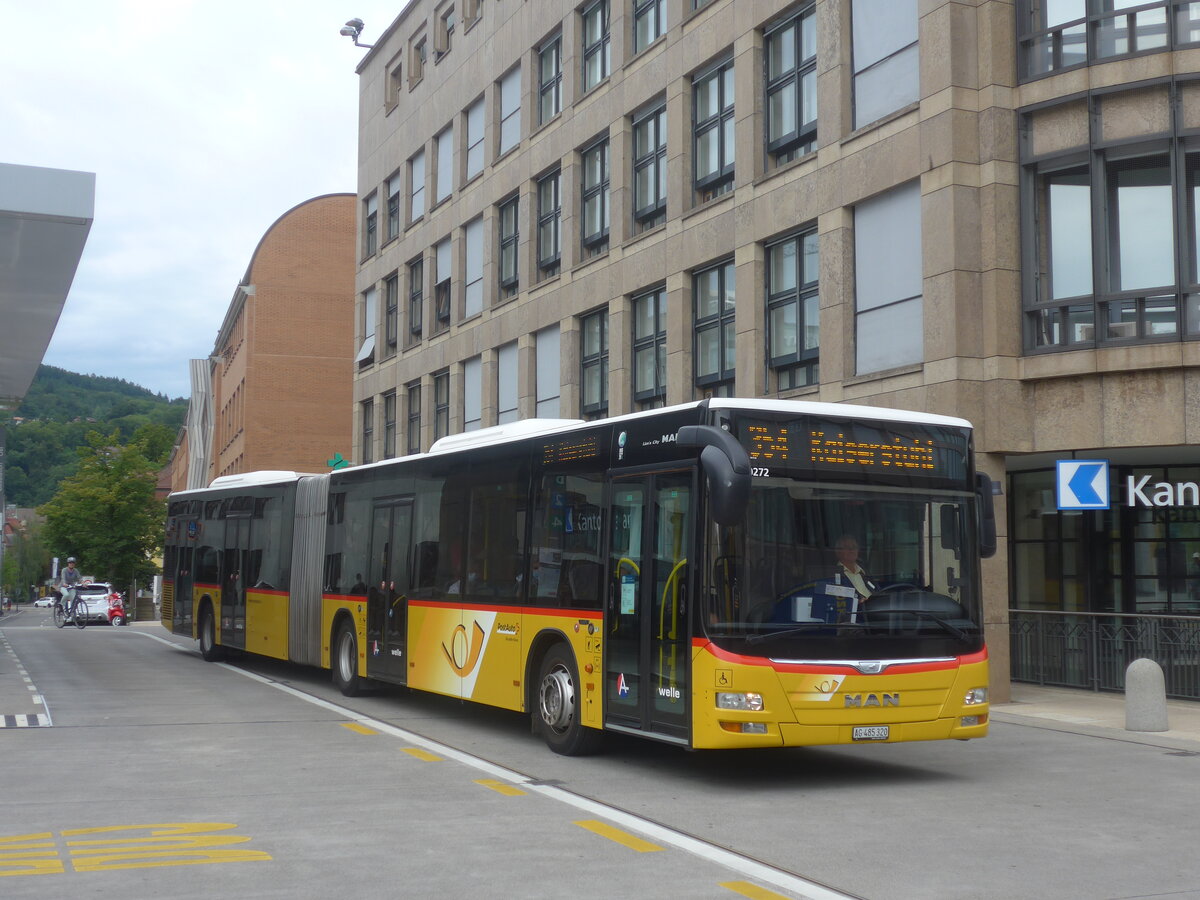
<point>646,663</point>
<point>387,590</point>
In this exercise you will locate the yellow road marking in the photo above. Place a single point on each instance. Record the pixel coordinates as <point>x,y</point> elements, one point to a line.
<point>501,787</point>
<point>753,891</point>
<point>361,729</point>
<point>621,837</point>
<point>421,754</point>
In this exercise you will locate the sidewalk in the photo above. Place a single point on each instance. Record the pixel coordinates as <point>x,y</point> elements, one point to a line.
<point>1097,714</point>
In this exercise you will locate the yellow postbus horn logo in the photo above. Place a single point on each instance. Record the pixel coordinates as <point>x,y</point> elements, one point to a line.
<point>458,640</point>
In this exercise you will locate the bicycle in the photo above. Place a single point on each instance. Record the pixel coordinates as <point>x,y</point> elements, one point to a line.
<point>77,611</point>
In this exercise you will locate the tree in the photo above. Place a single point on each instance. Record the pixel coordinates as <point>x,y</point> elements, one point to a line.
<point>106,514</point>
<point>26,562</point>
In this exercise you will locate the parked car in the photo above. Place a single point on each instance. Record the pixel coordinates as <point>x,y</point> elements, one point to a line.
<point>44,601</point>
<point>103,603</point>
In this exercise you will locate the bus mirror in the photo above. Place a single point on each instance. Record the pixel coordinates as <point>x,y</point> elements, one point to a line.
<point>987,515</point>
<point>949,527</point>
<point>727,467</point>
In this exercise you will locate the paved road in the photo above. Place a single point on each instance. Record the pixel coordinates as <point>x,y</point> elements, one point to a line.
<point>398,794</point>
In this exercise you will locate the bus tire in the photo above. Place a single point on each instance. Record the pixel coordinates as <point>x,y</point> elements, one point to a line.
<point>209,648</point>
<point>344,661</point>
<point>556,706</point>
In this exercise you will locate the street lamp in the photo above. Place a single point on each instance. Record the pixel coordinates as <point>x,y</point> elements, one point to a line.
<point>353,29</point>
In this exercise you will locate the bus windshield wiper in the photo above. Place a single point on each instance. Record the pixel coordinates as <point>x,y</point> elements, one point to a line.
<point>799,629</point>
<point>932,617</point>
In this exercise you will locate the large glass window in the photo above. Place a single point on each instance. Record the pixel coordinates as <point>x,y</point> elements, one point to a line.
<point>889,317</point>
<point>596,45</point>
<point>506,384</point>
<point>510,111</point>
<point>594,364</point>
<point>370,316</point>
<point>595,198</point>
<point>715,334</point>
<point>712,113</point>
<point>650,169</point>
<point>416,200</point>
<point>549,80</point>
<point>413,427</point>
<point>389,425</point>
<point>793,310</point>
<point>441,404</point>
<point>391,315</point>
<point>792,87</point>
<point>371,225</point>
<point>507,223</point>
<point>474,139</point>
<point>416,296</point>
<point>549,225</point>
<point>650,349</point>
<point>367,422</point>
<point>443,176</point>
<point>547,348</point>
<point>393,206</point>
<point>473,288</point>
<point>441,284</point>
<point>886,63</point>
<point>472,394</point>
<point>649,22</point>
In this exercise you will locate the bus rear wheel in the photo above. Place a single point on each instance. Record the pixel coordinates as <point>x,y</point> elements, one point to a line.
<point>556,708</point>
<point>345,661</point>
<point>209,648</point>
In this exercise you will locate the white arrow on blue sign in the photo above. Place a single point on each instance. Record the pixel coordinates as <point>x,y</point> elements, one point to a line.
<point>1083,484</point>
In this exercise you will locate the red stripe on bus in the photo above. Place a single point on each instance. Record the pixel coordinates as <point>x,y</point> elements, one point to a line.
<point>727,656</point>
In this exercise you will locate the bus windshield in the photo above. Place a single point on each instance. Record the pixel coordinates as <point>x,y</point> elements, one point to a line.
<point>821,572</point>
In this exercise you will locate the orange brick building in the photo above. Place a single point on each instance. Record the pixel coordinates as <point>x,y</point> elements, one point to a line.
<point>276,393</point>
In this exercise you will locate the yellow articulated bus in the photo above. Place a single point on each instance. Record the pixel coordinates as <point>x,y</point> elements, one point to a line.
<point>728,573</point>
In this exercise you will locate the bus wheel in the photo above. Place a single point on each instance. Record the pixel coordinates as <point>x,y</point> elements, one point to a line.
<point>556,713</point>
<point>345,661</point>
<point>209,648</point>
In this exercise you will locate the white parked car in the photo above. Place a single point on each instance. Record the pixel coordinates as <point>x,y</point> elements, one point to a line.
<point>44,601</point>
<point>103,603</point>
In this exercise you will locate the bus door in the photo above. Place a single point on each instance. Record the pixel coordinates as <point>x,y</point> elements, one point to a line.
<point>181,611</point>
<point>387,590</point>
<point>648,634</point>
<point>233,587</point>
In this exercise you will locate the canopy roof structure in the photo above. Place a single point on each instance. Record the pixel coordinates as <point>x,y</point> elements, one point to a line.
<point>45,217</point>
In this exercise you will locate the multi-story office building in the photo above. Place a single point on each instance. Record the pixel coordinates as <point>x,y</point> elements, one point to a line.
<point>986,209</point>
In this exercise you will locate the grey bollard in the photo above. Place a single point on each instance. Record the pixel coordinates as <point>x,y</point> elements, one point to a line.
<point>1145,697</point>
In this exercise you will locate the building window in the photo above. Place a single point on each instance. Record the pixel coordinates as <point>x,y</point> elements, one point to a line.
<point>472,394</point>
<point>441,404</point>
<point>650,349</point>
<point>506,384</point>
<point>389,425</point>
<point>650,169</point>
<point>649,22</point>
<point>1115,224</point>
<point>443,174</point>
<point>595,199</point>
<point>886,63</point>
<point>510,111</point>
<point>547,348</point>
<point>549,225</point>
<point>416,296</point>
<point>593,400</point>
<point>368,431</point>
<point>889,322</point>
<point>712,105</point>
<point>444,33</point>
<point>441,284</point>
<point>473,282</point>
<point>596,45</point>
<point>391,311</point>
<point>414,417</point>
<point>370,308</point>
<point>395,81</point>
<point>393,207</point>
<point>370,225</point>
<point>509,237</point>
<point>416,200</point>
<point>549,80</point>
<point>714,354</point>
<point>474,139</point>
<point>793,311</point>
<point>416,66</point>
<point>1059,34</point>
<point>792,87</point>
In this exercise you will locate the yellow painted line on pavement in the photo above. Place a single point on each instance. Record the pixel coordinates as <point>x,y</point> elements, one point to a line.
<point>753,891</point>
<point>500,787</point>
<point>422,754</point>
<point>361,729</point>
<point>621,837</point>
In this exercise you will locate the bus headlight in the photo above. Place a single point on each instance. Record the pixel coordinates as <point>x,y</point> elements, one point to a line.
<point>975,696</point>
<point>749,702</point>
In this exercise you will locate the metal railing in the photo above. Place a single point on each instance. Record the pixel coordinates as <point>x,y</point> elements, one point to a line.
<point>1092,650</point>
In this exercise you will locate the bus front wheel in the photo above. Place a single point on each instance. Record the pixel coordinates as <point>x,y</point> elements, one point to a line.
<point>345,661</point>
<point>556,710</point>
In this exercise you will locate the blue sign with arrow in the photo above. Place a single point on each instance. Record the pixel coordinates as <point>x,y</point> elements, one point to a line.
<point>1082,484</point>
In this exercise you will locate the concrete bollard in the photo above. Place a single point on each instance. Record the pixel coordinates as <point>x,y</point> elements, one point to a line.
<point>1145,697</point>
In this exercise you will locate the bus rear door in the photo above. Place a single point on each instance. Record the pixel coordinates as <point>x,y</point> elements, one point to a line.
<point>387,598</point>
<point>647,630</point>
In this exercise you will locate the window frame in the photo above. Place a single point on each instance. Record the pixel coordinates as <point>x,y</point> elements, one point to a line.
<point>805,360</point>
<point>389,425</point>
<point>549,263</point>
<point>394,186</point>
<point>653,395</point>
<point>413,418</point>
<point>600,48</point>
<point>553,86</point>
<point>802,139</point>
<point>713,185</point>
<point>595,243</point>
<point>598,407</point>
<point>724,318</point>
<point>367,430</point>
<point>642,11</point>
<point>509,244</point>
<point>647,216</point>
<point>441,404</point>
<point>391,314</point>
<point>416,296</point>
<point>371,225</point>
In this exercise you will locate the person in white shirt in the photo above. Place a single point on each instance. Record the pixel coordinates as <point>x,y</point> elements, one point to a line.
<point>849,572</point>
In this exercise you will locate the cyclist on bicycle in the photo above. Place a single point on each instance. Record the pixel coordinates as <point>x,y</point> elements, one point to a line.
<point>68,583</point>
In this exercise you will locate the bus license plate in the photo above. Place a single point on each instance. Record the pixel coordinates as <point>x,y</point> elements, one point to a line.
<point>871,733</point>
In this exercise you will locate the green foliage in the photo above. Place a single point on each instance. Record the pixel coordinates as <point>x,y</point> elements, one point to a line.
<point>60,410</point>
<point>26,562</point>
<point>106,514</point>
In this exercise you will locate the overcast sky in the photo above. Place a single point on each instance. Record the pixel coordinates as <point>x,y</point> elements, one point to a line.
<point>204,122</point>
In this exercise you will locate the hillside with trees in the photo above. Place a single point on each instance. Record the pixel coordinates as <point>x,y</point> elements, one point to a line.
<point>58,413</point>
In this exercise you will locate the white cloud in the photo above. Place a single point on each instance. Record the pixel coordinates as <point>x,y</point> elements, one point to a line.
<point>204,122</point>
